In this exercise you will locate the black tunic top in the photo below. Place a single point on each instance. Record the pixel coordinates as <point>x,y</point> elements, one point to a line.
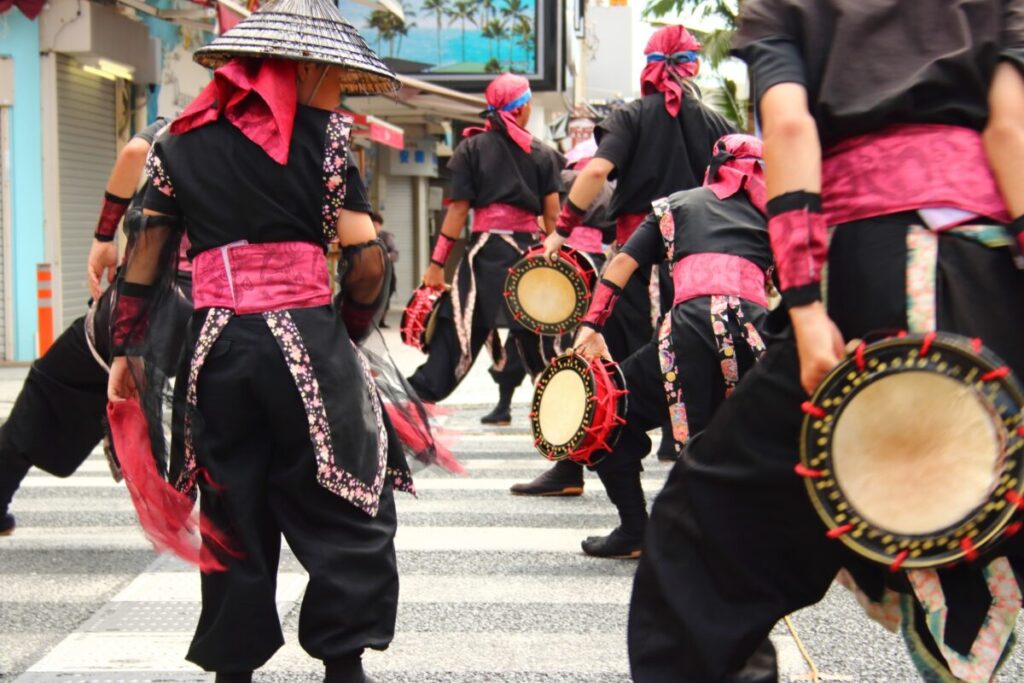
<point>258,200</point>
<point>655,154</point>
<point>705,224</point>
<point>489,168</point>
<point>939,58</point>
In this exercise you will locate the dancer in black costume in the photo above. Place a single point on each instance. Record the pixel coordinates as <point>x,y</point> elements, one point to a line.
<point>886,120</point>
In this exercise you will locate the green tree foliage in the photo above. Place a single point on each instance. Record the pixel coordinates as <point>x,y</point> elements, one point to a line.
<point>439,8</point>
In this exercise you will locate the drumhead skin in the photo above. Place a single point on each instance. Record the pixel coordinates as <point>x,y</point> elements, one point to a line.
<point>550,298</point>
<point>578,409</point>
<point>912,450</point>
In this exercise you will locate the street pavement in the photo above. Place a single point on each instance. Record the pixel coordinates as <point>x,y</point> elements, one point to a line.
<point>494,587</point>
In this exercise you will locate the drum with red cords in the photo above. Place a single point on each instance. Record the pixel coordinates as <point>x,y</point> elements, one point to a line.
<point>578,408</point>
<point>912,450</point>
<point>419,320</point>
<point>550,297</point>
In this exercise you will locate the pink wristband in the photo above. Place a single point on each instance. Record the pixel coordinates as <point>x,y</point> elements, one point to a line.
<point>442,249</point>
<point>602,304</point>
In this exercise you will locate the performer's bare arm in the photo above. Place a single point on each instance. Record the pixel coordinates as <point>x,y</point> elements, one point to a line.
<point>355,227</point>
<point>1004,135</point>
<point>584,191</point>
<point>551,208</point>
<point>589,341</point>
<point>454,223</point>
<point>792,154</point>
<point>123,180</point>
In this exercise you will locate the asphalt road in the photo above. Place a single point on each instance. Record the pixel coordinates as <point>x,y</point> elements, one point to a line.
<point>494,587</point>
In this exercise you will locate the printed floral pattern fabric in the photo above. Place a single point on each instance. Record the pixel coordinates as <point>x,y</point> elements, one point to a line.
<point>721,308</point>
<point>922,257</point>
<point>214,323</point>
<point>339,127</point>
<point>158,174</point>
<point>981,663</point>
<point>338,481</point>
<point>673,385</point>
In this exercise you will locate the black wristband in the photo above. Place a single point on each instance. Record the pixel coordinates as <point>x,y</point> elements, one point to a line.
<point>802,296</point>
<point>114,199</point>
<point>793,201</point>
<point>99,237</point>
<point>575,209</point>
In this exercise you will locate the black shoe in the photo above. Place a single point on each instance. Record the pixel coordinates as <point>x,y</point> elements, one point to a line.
<point>6,524</point>
<point>239,677</point>
<point>667,451</point>
<point>564,479</point>
<point>615,546</point>
<point>499,416</point>
<point>383,325</point>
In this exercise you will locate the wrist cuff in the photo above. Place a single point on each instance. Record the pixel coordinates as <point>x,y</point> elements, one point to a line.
<point>568,218</point>
<point>801,296</point>
<point>111,212</point>
<point>794,201</point>
<point>442,249</point>
<point>602,304</point>
<point>799,239</point>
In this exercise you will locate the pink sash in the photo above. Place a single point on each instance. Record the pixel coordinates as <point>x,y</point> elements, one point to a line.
<point>718,274</point>
<point>587,240</point>
<point>909,167</point>
<point>257,278</point>
<point>504,217</point>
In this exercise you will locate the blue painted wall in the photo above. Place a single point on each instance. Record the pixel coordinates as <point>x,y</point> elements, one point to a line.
<point>19,39</point>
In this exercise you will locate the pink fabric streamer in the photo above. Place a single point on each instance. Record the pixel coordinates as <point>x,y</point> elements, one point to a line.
<point>258,97</point>
<point>418,437</point>
<point>736,166</point>
<point>503,91</point>
<point>166,515</point>
<point>662,76</point>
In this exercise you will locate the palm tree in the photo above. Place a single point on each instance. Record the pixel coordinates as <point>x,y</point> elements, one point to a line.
<point>384,23</point>
<point>402,26</point>
<point>498,32</point>
<point>523,32</point>
<point>439,8</point>
<point>515,15</point>
<point>485,10</point>
<point>463,10</point>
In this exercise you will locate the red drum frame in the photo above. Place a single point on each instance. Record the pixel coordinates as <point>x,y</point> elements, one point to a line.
<point>420,316</point>
<point>578,277</point>
<point>600,408</point>
<point>977,373</point>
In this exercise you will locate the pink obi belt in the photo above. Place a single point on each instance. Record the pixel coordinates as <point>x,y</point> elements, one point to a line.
<point>587,240</point>
<point>909,167</point>
<point>257,278</point>
<point>718,274</point>
<point>503,218</point>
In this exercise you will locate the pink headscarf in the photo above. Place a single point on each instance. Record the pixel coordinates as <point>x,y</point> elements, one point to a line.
<point>506,94</point>
<point>671,53</point>
<point>258,96</point>
<point>736,166</point>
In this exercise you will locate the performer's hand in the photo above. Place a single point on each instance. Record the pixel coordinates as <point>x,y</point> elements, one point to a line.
<point>120,384</point>
<point>819,343</point>
<point>434,277</point>
<point>102,257</point>
<point>552,243</point>
<point>591,344</point>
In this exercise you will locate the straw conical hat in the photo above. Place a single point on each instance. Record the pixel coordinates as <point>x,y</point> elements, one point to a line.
<point>303,30</point>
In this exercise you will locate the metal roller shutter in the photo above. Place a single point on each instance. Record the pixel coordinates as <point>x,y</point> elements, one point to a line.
<point>399,220</point>
<point>86,150</point>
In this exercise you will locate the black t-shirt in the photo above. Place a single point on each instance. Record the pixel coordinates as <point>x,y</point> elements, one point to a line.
<point>489,168</point>
<point>655,154</point>
<point>939,56</point>
<point>705,224</point>
<point>227,189</point>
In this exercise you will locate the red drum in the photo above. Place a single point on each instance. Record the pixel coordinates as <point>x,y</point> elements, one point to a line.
<point>420,317</point>
<point>912,450</point>
<point>579,406</point>
<point>550,298</point>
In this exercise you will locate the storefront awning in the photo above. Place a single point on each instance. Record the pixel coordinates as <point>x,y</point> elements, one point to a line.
<point>375,129</point>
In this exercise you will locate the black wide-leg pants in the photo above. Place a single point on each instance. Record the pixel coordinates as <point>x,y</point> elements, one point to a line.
<point>733,543</point>
<point>255,444</point>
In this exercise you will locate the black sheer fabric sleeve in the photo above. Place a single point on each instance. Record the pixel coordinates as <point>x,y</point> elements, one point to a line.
<point>149,133</point>
<point>1013,33</point>
<point>616,138</point>
<point>356,197</point>
<point>461,166</point>
<point>646,246</point>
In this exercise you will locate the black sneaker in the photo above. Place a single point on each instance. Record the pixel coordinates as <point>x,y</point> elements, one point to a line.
<point>667,451</point>
<point>615,546</point>
<point>6,524</point>
<point>498,416</point>
<point>564,479</point>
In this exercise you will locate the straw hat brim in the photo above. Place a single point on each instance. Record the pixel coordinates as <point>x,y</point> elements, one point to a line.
<point>278,35</point>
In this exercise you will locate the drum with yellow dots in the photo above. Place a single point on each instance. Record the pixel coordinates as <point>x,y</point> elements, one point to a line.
<point>911,450</point>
